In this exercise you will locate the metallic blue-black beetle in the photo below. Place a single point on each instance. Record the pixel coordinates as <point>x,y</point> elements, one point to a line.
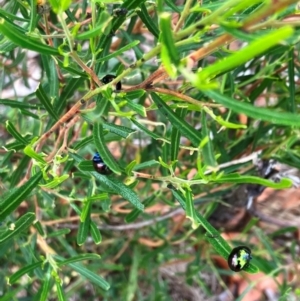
<point>120,11</point>
<point>108,78</point>
<point>100,166</point>
<point>239,258</point>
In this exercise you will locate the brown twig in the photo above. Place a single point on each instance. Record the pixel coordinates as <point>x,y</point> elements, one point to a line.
<point>62,135</point>
<point>88,70</point>
<point>272,220</point>
<point>125,227</point>
<point>47,31</point>
<point>183,97</point>
<point>73,111</point>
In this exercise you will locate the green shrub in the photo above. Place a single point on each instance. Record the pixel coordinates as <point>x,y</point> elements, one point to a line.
<point>158,89</point>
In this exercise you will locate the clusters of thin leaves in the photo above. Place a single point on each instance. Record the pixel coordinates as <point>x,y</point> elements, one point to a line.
<point>155,134</point>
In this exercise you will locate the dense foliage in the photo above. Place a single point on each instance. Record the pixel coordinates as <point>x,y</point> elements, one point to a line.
<point>177,98</point>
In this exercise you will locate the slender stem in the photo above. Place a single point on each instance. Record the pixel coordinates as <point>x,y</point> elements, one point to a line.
<point>266,11</point>
<point>170,179</point>
<point>183,97</point>
<point>175,180</point>
<point>184,14</point>
<point>66,30</point>
<point>132,226</point>
<point>89,71</point>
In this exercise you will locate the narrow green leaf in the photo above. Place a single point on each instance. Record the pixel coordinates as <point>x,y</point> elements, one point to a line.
<point>103,26</point>
<point>141,110</point>
<point>13,131</point>
<point>106,20</point>
<point>75,208</point>
<point>207,150</point>
<point>120,130</point>
<point>55,5</point>
<point>167,37</point>
<point>59,232</point>
<point>44,99</point>
<point>227,124</point>
<point>132,286</point>
<point>98,135</point>
<point>121,189</point>
<point>46,287</point>
<point>146,164</point>
<point>268,246</point>
<point>39,228</point>
<point>185,129</point>
<point>19,171</point>
<point>21,224</point>
<point>83,231</point>
<point>17,104</point>
<point>106,206</point>
<point>147,20</point>
<point>16,146</point>
<point>84,227</point>
<point>265,84</point>
<point>59,291</point>
<point>88,274</point>
<point>129,168</point>
<point>133,215</point>
<point>24,270</point>
<point>55,182</point>
<point>239,33</point>
<point>50,67</point>
<point>136,94</point>
<point>29,151</point>
<point>11,294</point>
<point>163,159</point>
<point>190,209</point>
<point>30,114</point>
<point>86,210</point>
<point>118,51</point>
<point>175,135</point>
<point>95,233</point>
<point>98,197</point>
<point>71,15</point>
<point>291,72</point>
<point>65,4</point>
<point>59,6</point>
<point>241,179</point>
<point>33,15</point>
<point>95,32</point>
<point>132,4</point>
<point>172,5</point>
<point>269,115</point>
<point>73,69</point>
<point>13,200</point>
<point>19,38</point>
<point>144,129</point>
<point>83,142</point>
<point>242,56</point>
<point>81,257</point>
<point>85,165</point>
<point>225,248</point>
<point>167,63</point>
<point>9,16</point>
<point>68,91</point>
